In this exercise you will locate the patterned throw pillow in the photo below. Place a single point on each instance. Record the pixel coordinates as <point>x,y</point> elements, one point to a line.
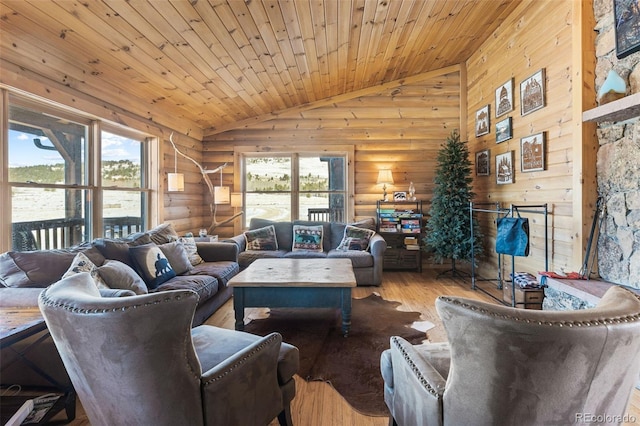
<point>308,238</point>
<point>355,238</point>
<point>81,263</point>
<point>190,246</point>
<point>177,256</point>
<point>151,264</point>
<point>262,238</point>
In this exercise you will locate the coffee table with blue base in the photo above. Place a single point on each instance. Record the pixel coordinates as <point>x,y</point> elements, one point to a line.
<point>294,283</point>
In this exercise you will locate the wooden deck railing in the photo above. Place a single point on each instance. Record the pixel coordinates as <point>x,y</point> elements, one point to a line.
<point>66,232</point>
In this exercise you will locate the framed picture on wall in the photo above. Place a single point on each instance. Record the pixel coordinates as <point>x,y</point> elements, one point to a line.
<point>482,163</point>
<point>504,98</point>
<point>532,93</point>
<point>482,121</point>
<point>532,153</point>
<point>503,130</point>
<point>504,168</point>
<point>627,27</point>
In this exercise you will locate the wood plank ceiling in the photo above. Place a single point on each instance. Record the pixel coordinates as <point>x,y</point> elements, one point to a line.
<point>219,62</point>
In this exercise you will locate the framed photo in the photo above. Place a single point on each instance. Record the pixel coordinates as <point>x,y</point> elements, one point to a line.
<point>400,196</point>
<point>482,163</point>
<point>532,93</point>
<point>532,153</point>
<point>482,121</point>
<point>627,27</point>
<point>503,130</point>
<point>504,98</point>
<point>504,168</point>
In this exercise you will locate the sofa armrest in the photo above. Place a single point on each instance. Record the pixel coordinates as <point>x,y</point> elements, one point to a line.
<point>377,245</point>
<point>240,241</point>
<point>414,381</point>
<point>246,384</point>
<point>22,297</point>
<point>217,251</point>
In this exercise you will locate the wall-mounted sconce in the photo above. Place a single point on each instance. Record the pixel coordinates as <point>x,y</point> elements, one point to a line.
<point>384,177</point>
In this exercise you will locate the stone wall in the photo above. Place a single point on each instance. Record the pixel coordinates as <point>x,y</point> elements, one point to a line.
<point>618,164</point>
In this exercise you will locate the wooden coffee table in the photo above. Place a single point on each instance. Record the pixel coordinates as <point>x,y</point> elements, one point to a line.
<point>294,283</point>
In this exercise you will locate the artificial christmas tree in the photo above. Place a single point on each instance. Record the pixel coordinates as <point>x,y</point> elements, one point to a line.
<point>448,231</point>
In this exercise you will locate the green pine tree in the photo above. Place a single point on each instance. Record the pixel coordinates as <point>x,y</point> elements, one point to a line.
<point>448,232</point>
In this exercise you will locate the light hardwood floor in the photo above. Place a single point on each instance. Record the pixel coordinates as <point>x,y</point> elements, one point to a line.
<point>317,403</point>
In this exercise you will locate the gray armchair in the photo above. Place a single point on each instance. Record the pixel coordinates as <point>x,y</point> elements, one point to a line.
<point>136,360</point>
<point>507,366</point>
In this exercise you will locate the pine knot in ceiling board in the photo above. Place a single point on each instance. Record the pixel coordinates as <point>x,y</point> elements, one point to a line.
<point>225,63</point>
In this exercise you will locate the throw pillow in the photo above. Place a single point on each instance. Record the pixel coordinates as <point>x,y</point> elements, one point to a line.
<point>81,263</point>
<point>177,256</point>
<point>121,276</point>
<point>307,238</point>
<point>261,238</point>
<point>190,246</point>
<point>151,264</point>
<point>163,233</point>
<point>355,238</point>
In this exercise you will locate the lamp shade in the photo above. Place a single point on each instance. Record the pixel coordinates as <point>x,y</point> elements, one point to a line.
<point>236,199</point>
<point>221,194</point>
<point>175,181</point>
<point>385,176</point>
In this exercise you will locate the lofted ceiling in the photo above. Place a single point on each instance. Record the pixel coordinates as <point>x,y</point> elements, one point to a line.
<point>218,63</point>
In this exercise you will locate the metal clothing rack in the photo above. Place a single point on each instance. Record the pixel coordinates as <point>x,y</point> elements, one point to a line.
<point>493,208</point>
<point>514,209</point>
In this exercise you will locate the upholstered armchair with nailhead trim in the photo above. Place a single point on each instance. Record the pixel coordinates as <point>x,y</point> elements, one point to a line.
<point>136,360</point>
<point>508,366</point>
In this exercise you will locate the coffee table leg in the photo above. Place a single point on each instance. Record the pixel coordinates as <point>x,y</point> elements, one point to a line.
<point>238,307</point>
<point>346,310</point>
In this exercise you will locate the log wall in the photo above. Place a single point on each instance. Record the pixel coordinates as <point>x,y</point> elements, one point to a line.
<point>398,126</point>
<point>537,35</point>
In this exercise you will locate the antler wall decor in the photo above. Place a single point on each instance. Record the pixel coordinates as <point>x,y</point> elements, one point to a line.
<point>213,207</point>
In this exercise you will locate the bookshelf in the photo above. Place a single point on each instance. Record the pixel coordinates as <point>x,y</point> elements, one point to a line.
<point>400,224</point>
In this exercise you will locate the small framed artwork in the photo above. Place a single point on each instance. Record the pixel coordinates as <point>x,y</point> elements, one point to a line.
<point>532,153</point>
<point>504,98</point>
<point>400,196</point>
<point>503,130</point>
<point>482,163</point>
<point>504,168</point>
<point>627,27</point>
<point>532,93</point>
<point>482,121</point>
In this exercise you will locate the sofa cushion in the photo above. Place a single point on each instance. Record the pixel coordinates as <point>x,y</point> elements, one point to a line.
<point>305,254</point>
<point>284,231</point>
<point>151,264</point>
<point>262,239</point>
<point>121,276</point>
<point>41,268</point>
<point>206,286</point>
<point>177,256</point>
<point>223,270</point>
<point>359,259</point>
<point>81,263</point>
<point>326,231</point>
<point>355,238</point>
<point>307,238</point>
<point>119,249</point>
<point>247,257</point>
<point>191,247</point>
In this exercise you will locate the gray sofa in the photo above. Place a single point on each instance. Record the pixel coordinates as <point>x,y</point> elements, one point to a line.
<point>367,264</point>
<point>23,276</point>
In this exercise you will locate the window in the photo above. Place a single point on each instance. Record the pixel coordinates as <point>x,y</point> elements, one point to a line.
<point>57,197</point>
<point>295,186</point>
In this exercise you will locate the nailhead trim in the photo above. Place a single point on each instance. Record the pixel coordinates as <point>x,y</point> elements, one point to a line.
<point>425,384</point>
<point>587,323</point>
<point>48,301</point>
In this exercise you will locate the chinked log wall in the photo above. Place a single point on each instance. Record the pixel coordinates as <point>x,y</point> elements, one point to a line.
<point>398,126</point>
